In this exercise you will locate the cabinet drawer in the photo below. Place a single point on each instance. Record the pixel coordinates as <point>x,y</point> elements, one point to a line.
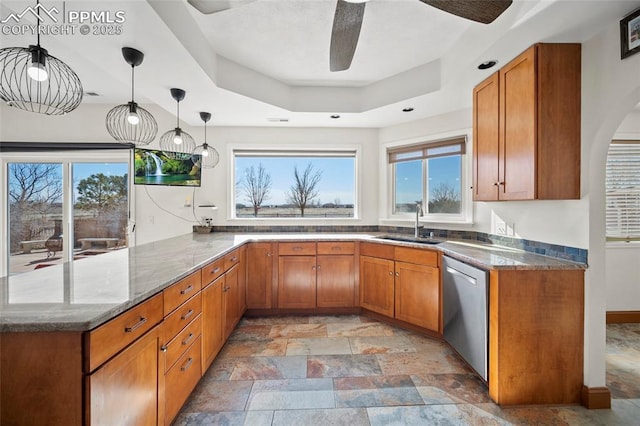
<point>421,257</point>
<point>212,271</point>
<point>181,317</point>
<point>179,292</point>
<point>176,347</point>
<point>384,251</point>
<point>108,339</point>
<point>337,247</point>
<point>181,379</point>
<point>295,249</point>
<point>230,259</point>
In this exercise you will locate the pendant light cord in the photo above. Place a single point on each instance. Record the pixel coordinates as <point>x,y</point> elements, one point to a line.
<point>132,82</point>
<point>38,23</point>
<point>178,115</point>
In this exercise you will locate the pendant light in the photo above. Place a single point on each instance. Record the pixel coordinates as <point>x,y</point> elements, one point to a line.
<point>33,80</point>
<point>130,123</point>
<point>205,156</point>
<point>177,143</point>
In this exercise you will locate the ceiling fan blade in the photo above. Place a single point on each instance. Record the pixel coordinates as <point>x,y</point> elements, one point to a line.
<point>208,7</point>
<point>483,11</point>
<point>344,35</point>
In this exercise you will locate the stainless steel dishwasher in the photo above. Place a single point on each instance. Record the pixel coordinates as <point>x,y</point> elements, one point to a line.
<point>466,312</point>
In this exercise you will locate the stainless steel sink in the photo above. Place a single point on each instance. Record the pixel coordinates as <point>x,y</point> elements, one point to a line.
<point>409,239</point>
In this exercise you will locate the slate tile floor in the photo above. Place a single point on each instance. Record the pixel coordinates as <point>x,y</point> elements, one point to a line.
<point>351,370</point>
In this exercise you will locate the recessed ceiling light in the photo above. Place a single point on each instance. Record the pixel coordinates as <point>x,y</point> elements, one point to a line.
<point>335,116</point>
<point>487,64</point>
<point>278,120</point>
<point>409,109</point>
<point>91,94</point>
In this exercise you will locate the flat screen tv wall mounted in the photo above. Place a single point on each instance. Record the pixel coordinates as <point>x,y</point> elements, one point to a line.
<point>154,167</point>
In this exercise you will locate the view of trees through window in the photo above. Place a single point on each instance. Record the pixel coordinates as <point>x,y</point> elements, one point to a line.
<point>295,186</point>
<point>442,186</point>
<point>36,214</point>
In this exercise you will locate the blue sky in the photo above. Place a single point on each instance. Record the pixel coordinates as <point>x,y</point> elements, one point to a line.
<point>408,177</point>
<point>338,176</point>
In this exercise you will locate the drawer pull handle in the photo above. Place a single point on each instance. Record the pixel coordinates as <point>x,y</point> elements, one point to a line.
<point>187,364</point>
<point>390,272</point>
<point>187,315</point>
<point>296,248</point>
<point>163,348</point>
<point>189,338</point>
<point>336,248</point>
<point>215,270</point>
<point>233,259</point>
<point>397,274</point>
<point>186,290</point>
<point>135,326</point>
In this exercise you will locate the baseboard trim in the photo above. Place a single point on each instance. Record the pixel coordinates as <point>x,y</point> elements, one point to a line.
<point>302,312</point>
<point>596,398</point>
<point>618,317</point>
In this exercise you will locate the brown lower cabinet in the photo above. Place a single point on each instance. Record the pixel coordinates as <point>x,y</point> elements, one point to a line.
<point>401,283</point>
<point>297,281</point>
<point>377,285</point>
<point>335,280</point>
<point>212,320</point>
<point>124,390</point>
<point>260,275</point>
<point>417,295</point>
<point>232,306</point>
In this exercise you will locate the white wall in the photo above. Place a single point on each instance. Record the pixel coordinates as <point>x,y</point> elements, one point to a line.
<point>610,89</point>
<point>556,222</point>
<point>622,267</point>
<point>161,211</point>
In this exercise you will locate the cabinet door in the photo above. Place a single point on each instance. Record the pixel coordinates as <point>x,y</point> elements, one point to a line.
<point>418,295</point>
<point>336,280</point>
<point>124,391</point>
<point>242,280</point>
<point>486,112</point>
<point>297,282</point>
<point>212,322</point>
<point>231,300</point>
<point>376,285</point>
<point>259,275</point>
<point>518,128</point>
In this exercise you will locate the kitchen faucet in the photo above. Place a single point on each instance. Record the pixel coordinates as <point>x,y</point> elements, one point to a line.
<point>418,227</point>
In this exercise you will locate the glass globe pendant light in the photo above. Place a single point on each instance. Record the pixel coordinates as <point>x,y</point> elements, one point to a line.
<point>205,156</point>
<point>33,80</point>
<point>177,143</point>
<point>130,123</point>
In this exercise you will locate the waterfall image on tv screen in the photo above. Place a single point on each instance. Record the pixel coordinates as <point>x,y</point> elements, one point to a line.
<point>160,168</point>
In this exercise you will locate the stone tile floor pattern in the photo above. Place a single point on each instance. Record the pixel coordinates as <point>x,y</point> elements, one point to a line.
<point>351,370</point>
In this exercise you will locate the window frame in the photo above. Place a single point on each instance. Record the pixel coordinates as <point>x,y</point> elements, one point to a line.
<point>66,158</point>
<point>292,150</point>
<point>465,217</point>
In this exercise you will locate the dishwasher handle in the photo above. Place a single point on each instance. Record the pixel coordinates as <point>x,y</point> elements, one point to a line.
<point>457,273</point>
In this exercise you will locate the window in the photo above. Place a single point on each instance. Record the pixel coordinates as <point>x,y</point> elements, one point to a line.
<point>63,206</point>
<point>429,171</point>
<point>288,184</point>
<point>623,191</point>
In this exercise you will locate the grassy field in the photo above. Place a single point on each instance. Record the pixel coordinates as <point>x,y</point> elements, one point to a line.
<point>295,212</point>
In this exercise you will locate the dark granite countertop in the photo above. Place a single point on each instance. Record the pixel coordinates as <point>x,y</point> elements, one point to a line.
<point>81,295</point>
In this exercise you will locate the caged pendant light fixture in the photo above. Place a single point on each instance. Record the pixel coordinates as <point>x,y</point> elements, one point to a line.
<point>177,143</point>
<point>205,156</point>
<point>130,123</point>
<point>33,80</point>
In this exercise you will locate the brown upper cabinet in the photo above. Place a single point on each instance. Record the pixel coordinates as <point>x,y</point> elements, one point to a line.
<point>526,127</point>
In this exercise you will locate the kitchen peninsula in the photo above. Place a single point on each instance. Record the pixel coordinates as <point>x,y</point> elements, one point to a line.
<point>152,318</point>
